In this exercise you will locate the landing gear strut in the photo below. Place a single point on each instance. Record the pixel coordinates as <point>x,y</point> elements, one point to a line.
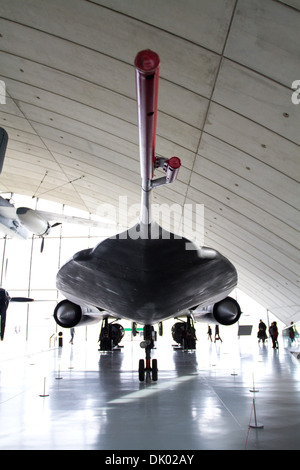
<point>184,334</point>
<point>146,372</point>
<point>110,335</point>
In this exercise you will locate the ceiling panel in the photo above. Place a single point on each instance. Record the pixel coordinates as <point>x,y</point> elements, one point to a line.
<point>264,37</point>
<point>254,139</point>
<point>202,22</point>
<point>244,91</point>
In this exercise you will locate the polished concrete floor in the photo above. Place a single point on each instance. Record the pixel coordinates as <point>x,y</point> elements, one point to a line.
<point>202,399</point>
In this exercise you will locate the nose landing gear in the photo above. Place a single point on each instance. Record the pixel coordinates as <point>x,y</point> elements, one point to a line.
<point>146,372</point>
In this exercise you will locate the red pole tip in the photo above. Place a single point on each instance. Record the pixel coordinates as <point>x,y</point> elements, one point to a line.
<point>175,162</point>
<point>147,61</point>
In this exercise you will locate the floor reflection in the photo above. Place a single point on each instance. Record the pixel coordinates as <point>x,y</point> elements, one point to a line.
<point>202,398</point>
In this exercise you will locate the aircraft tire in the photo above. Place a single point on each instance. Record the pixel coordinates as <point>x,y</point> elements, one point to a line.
<point>141,370</point>
<point>154,370</point>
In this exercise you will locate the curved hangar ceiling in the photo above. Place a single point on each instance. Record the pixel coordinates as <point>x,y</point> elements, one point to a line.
<point>225,108</point>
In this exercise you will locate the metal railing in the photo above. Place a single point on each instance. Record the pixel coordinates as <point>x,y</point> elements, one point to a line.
<point>54,337</point>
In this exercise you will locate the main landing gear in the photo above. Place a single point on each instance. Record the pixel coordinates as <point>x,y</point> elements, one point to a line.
<point>184,334</point>
<point>110,335</point>
<point>148,371</point>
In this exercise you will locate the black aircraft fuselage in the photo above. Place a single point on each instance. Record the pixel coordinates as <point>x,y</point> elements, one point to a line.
<point>146,280</point>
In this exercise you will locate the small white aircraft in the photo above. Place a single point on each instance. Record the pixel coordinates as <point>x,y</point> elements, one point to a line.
<point>20,222</point>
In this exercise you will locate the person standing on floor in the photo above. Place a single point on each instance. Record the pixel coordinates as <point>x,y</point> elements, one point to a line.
<point>209,333</point>
<point>291,332</point>
<point>274,334</point>
<point>72,333</point>
<point>262,331</point>
<point>217,334</point>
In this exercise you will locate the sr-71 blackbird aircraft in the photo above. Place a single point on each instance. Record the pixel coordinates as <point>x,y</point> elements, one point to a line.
<point>146,274</point>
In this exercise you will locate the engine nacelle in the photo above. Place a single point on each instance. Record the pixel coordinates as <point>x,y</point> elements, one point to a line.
<point>226,312</point>
<point>34,222</point>
<point>68,315</point>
